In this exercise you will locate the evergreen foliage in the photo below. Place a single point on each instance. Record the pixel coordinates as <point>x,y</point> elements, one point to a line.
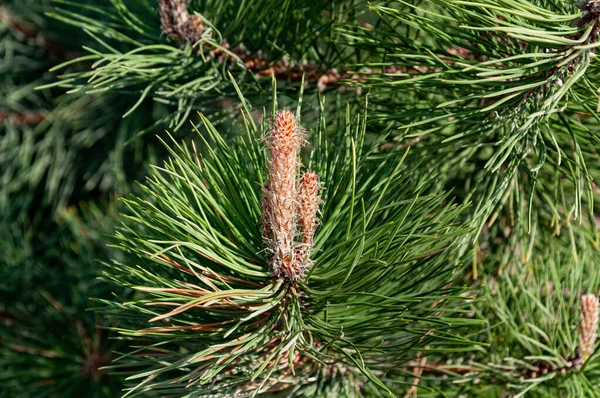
<point>431,229</point>
<point>504,89</point>
<point>225,323</point>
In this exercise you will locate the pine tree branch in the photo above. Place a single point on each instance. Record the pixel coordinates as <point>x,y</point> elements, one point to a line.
<point>276,337</point>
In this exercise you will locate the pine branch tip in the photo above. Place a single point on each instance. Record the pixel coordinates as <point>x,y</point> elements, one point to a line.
<point>288,204</point>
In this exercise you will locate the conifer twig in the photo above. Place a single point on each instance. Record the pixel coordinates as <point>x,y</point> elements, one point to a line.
<point>186,29</point>
<point>418,371</point>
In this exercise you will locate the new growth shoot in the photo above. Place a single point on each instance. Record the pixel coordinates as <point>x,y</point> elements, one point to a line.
<point>289,203</point>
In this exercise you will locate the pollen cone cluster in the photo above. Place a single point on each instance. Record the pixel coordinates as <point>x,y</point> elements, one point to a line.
<point>177,23</point>
<point>588,326</point>
<point>289,205</point>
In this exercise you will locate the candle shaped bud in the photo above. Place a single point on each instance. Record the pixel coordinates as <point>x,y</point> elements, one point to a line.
<point>309,201</point>
<point>280,201</point>
<point>588,327</point>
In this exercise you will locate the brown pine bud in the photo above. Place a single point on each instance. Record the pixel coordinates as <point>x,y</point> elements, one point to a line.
<point>308,196</point>
<point>280,196</point>
<point>177,23</point>
<point>588,327</point>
